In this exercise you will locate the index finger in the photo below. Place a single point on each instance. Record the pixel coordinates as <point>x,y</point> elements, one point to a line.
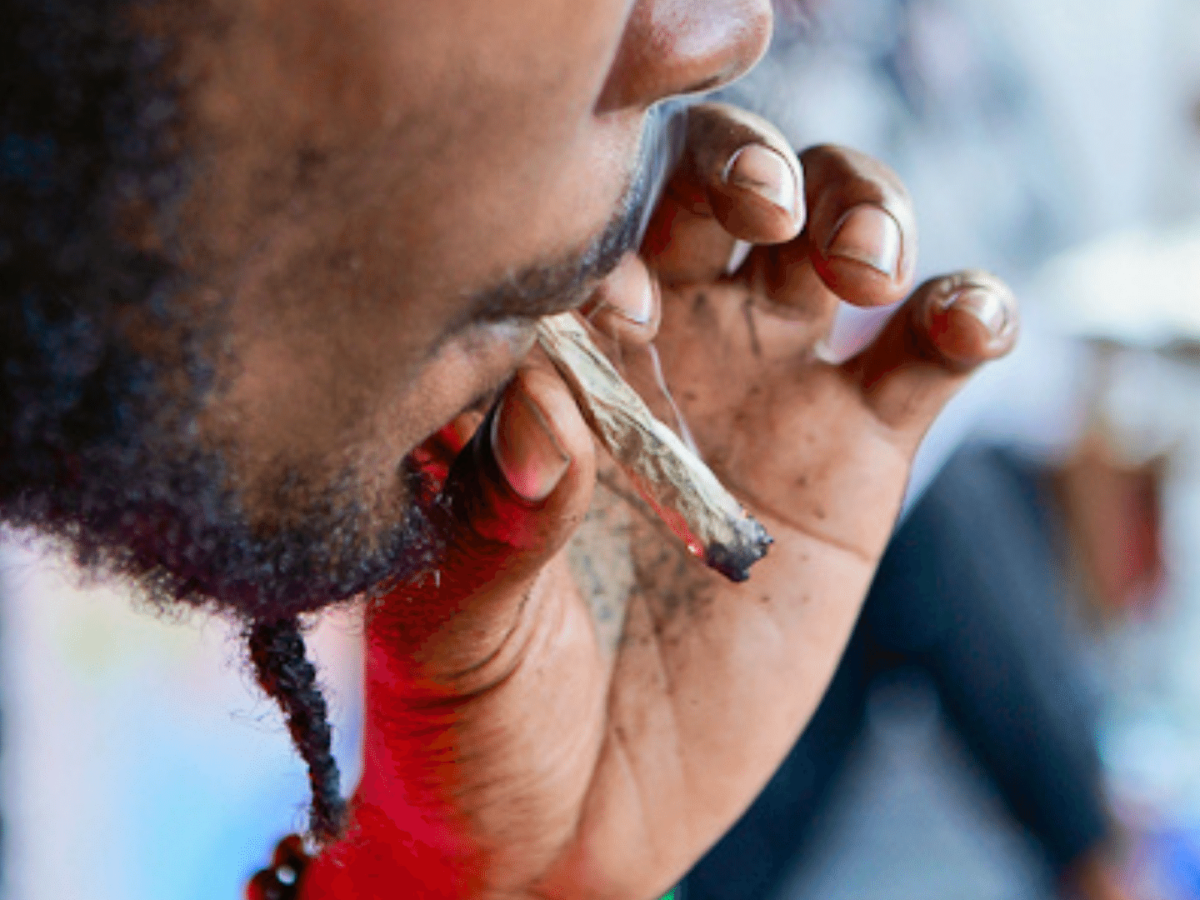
<point>738,179</point>
<point>860,243</point>
<point>862,230</point>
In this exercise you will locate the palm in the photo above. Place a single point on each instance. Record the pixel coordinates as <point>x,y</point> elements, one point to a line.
<point>796,438</point>
<point>565,764</point>
<point>609,759</point>
<point>712,677</point>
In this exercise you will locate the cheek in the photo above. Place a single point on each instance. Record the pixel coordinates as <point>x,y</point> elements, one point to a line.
<point>481,175</point>
<point>464,371</point>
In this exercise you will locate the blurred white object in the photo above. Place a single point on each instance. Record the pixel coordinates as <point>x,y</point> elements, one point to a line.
<point>140,760</point>
<point>1138,288</point>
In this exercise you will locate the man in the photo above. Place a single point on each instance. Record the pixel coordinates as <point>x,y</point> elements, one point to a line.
<point>269,267</point>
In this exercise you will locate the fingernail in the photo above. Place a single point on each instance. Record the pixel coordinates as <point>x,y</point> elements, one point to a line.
<point>640,307</point>
<point>761,170</point>
<point>869,235</point>
<point>985,305</point>
<point>528,454</point>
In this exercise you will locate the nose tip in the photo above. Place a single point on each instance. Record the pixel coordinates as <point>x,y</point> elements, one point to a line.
<point>673,47</point>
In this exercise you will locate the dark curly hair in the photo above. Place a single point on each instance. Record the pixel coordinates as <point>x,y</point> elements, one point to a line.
<point>85,134</point>
<point>97,441</point>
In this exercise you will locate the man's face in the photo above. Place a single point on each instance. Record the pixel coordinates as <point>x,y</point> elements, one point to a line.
<point>385,195</point>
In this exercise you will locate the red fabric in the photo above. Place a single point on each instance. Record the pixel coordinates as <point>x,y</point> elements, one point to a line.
<point>380,858</point>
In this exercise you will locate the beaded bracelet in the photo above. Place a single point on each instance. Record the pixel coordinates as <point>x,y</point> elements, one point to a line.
<point>282,880</point>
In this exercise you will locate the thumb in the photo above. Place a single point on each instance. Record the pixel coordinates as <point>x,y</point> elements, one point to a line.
<point>513,497</point>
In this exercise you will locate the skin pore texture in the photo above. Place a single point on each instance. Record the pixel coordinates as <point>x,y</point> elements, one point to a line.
<point>370,204</point>
<point>375,300</point>
<point>379,211</point>
<point>375,203</point>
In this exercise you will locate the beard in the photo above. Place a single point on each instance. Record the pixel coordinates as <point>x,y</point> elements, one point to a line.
<point>121,480</point>
<point>105,381</point>
<point>99,439</point>
<point>100,445</point>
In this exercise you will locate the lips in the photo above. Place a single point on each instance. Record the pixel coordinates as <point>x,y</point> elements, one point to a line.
<point>662,144</point>
<point>428,465</point>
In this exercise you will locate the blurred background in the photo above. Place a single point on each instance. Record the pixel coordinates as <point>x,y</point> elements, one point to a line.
<point>1018,715</point>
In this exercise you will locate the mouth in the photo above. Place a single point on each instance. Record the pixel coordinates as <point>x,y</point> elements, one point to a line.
<point>427,467</point>
<point>546,290</point>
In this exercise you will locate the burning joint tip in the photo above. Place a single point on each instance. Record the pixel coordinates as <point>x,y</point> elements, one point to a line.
<point>673,480</point>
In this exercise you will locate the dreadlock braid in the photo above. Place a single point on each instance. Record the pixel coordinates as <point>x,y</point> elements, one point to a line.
<point>285,673</point>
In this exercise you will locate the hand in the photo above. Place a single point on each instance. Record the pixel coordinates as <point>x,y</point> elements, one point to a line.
<point>510,751</point>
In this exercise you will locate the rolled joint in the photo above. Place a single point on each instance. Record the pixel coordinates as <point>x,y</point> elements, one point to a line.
<point>676,483</point>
